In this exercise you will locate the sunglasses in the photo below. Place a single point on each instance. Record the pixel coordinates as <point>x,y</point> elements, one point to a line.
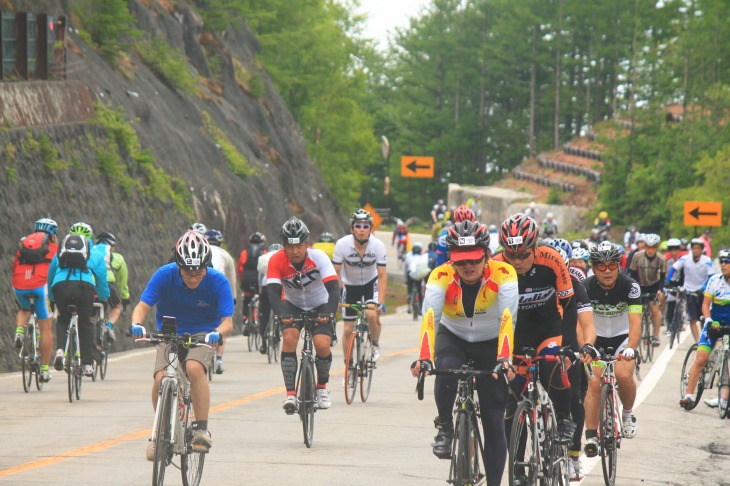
<point>192,273</point>
<point>518,256</point>
<point>463,263</point>
<point>725,260</point>
<point>602,267</point>
<point>361,226</point>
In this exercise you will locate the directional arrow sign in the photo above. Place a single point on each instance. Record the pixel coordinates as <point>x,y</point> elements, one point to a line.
<point>702,213</point>
<point>411,166</point>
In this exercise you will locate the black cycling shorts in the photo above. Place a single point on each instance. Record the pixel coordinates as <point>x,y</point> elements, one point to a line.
<point>317,329</point>
<point>353,293</point>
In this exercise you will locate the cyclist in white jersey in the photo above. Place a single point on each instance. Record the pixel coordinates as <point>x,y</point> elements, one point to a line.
<point>697,268</point>
<point>359,261</point>
<point>225,264</point>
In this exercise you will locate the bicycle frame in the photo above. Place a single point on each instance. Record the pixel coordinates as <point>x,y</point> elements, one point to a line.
<point>358,351</point>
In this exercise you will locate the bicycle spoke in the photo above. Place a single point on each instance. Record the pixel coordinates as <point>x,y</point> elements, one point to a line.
<point>163,452</point>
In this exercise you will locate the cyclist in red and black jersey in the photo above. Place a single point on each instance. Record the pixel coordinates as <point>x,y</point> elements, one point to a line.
<point>309,283</point>
<point>545,292</point>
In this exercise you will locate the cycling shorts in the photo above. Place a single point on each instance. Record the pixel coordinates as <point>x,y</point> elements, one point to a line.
<point>201,354</point>
<point>317,329</point>
<point>708,338</point>
<point>353,293</point>
<point>114,299</point>
<point>694,306</point>
<point>41,306</point>
<point>618,343</point>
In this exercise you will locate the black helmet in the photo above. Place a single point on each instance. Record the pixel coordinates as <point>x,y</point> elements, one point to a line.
<point>294,231</point>
<point>605,252</point>
<point>467,233</point>
<point>361,216</point>
<point>257,238</point>
<point>106,237</point>
<point>192,251</point>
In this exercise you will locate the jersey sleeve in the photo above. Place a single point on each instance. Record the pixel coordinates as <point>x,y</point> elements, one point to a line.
<point>326,268</point>
<point>633,296</point>
<point>338,255</point>
<point>380,254</point>
<point>273,273</point>
<point>152,292</point>
<point>224,297</point>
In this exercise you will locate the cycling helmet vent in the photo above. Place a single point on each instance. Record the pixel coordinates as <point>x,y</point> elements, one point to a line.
<point>192,251</point>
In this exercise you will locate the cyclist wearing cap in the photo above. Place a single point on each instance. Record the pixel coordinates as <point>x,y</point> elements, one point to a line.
<point>616,303</point>
<point>309,283</point>
<point>30,276</point>
<point>116,274</point>
<point>359,261</point>
<point>696,268</point>
<point>649,268</point>
<point>222,261</point>
<point>76,286</point>
<point>326,243</point>
<point>545,292</point>
<point>468,296</point>
<point>201,300</point>
<point>716,316</point>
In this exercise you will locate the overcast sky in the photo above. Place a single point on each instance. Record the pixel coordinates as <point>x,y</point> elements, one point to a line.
<point>385,15</point>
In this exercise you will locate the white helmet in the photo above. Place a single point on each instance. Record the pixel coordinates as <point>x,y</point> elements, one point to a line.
<point>674,242</point>
<point>652,239</point>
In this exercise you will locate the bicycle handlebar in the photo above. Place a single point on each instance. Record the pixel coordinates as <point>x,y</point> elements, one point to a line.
<point>187,340</point>
<point>359,307</point>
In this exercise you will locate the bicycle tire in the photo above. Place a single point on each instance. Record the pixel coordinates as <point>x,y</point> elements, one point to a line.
<point>523,444</point>
<point>465,452</point>
<point>556,453</point>
<point>307,398</point>
<point>191,463</point>
<point>689,360</point>
<point>609,440</point>
<point>25,366</point>
<point>70,366</point>
<point>723,385</point>
<point>103,364</point>
<point>163,441</point>
<point>37,373</point>
<point>648,349</point>
<point>351,364</point>
<point>211,368</point>
<point>78,376</point>
<point>675,328</point>
<point>367,368</point>
<point>272,346</point>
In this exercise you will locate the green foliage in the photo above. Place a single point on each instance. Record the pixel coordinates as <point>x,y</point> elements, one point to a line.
<point>236,161</point>
<point>9,152</point>
<point>44,148</point>
<point>11,174</point>
<point>107,24</point>
<point>554,196</point>
<point>168,63</point>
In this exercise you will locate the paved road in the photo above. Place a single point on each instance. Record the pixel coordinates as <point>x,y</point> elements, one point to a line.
<point>102,438</point>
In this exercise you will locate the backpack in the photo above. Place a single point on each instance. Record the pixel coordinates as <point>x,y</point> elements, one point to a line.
<point>34,248</point>
<point>255,250</point>
<point>74,252</point>
<point>418,267</point>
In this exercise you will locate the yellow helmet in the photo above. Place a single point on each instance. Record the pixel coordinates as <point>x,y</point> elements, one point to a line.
<point>603,215</point>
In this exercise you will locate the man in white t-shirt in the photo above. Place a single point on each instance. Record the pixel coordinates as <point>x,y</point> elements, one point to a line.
<point>224,263</point>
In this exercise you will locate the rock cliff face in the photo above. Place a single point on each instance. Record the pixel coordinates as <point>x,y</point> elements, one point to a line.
<point>171,124</point>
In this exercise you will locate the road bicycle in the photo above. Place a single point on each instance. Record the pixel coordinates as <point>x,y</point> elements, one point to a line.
<point>359,363</point>
<point>709,373</point>
<point>306,384</point>
<point>172,431</point>
<point>467,448</point>
<point>536,453</point>
<point>72,355</point>
<point>679,317</point>
<point>273,339</point>
<point>646,347</point>
<point>401,251</point>
<point>253,324</point>
<point>610,423</point>
<point>103,343</point>
<point>30,353</point>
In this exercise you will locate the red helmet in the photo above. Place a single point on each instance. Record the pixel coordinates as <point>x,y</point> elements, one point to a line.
<point>462,213</point>
<point>519,233</point>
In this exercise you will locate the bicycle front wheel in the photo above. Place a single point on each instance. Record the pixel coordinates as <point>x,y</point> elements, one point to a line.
<point>351,367</point>
<point>524,457</point>
<point>367,368</point>
<point>609,436</point>
<point>645,346</point>
<point>689,361</point>
<point>465,452</point>
<point>307,398</point>
<point>191,463</point>
<point>723,385</point>
<point>163,441</point>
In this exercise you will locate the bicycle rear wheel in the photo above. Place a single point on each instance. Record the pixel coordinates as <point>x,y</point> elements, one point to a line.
<point>307,398</point>
<point>367,367</point>
<point>163,441</point>
<point>78,375</point>
<point>351,362</point>
<point>689,360</point>
<point>608,436</point>
<point>675,327</point>
<point>25,365</point>
<point>191,463</point>
<point>523,446</point>
<point>103,363</point>
<point>723,385</point>
<point>71,367</point>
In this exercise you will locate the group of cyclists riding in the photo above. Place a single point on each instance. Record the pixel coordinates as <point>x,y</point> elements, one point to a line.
<point>575,297</point>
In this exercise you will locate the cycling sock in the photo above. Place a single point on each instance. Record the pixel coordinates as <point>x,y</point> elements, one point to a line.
<point>20,331</point>
<point>591,433</point>
<point>375,342</point>
<point>200,425</point>
<point>323,369</point>
<point>44,367</point>
<point>289,369</point>
<point>628,412</point>
<point>109,324</point>
<point>219,357</point>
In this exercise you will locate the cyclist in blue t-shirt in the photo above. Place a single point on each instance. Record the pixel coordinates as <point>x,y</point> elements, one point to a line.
<point>201,301</point>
